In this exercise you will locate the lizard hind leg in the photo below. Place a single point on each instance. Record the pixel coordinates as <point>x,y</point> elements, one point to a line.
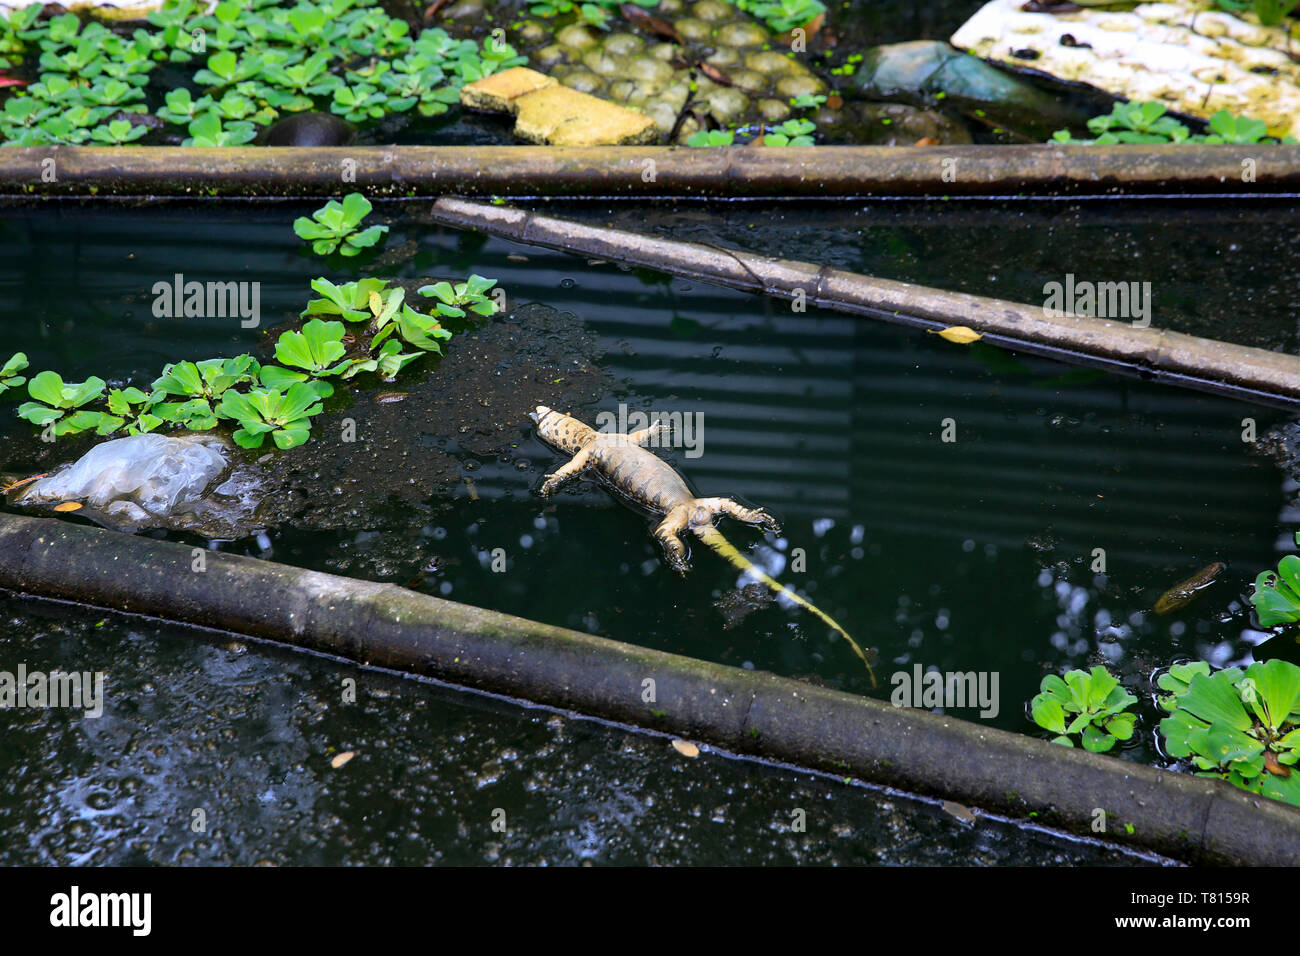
<point>669,533</point>
<point>710,508</point>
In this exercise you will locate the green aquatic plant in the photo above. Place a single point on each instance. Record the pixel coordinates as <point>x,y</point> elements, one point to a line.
<point>278,400</point>
<point>350,301</point>
<point>285,416</point>
<point>199,385</point>
<point>795,132</point>
<point>317,350</point>
<point>711,137</point>
<point>182,109</point>
<point>1139,122</point>
<point>9,377</point>
<point>256,59</point>
<point>1269,12</point>
<point>782,16</point>
<point>454,300</point>
<point>56,402</point>
<point>334,227</point>
<point>1277,593</point>
<point>117,132</point>
<point>1241,726</point>
<point>1090,704</point>
<point>208,130</point>
<point>129,408</point>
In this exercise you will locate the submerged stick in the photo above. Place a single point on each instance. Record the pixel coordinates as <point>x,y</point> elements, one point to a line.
<point>1173,358</point>
<point>749,712</point>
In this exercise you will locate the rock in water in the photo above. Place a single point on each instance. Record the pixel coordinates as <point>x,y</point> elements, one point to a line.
<point>309,129</point>
<point>140,481</point>
<point>924,72</point>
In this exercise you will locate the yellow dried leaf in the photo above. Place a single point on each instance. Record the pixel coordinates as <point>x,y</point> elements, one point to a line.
<point>686,748</point>
<point>341,759</point>
<point>958,811</point>
<point>960,334</point>
<point>68,506</point>
<point>376,303</point>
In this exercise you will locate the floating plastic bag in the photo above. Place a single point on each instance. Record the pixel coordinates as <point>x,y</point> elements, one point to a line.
<point>136,479</point>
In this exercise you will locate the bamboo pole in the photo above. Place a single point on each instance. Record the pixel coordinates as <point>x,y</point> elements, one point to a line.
<point>1204,364</point>
<point>750,712</point>
<point>658,171</point>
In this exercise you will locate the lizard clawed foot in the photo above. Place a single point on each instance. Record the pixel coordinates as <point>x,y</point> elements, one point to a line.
<point>549,487</point>
<point>767,522</point>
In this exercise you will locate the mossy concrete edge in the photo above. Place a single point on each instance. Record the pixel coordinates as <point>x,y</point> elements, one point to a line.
<point>750,712</point>
<point>651,171</point>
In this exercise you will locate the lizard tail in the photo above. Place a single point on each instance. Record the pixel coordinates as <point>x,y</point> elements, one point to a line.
<point>712,537</point>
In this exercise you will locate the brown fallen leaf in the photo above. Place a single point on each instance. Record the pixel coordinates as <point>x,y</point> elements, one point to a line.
<point>960,334</point>
<point>640,18</point>
<point>387,398</point>
<point>433,8</point>
<point>686,748</point>
<point>340,759</point>
<point>713,73</point>
<point>834,101</point>
<point>1273,767</point>
<point>926,141</point>
<point>68,506</point>
<point>958,811</point>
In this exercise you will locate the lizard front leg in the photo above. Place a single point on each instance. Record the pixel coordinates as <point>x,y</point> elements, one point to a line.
<point>646,436</point>
<point>669,534</point>
<point>706,509</point>
<point>566,471</point>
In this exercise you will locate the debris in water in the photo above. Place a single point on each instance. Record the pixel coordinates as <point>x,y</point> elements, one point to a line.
<point>958,811</point>
<point>1184,592</point>
<point>68,506</point>
<point>686,748</point>
<point>341,759</point>
<point>960,334</point>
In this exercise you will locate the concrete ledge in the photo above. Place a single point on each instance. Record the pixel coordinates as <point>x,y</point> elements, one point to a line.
<point>654,171</point>
<point>1192,818</point>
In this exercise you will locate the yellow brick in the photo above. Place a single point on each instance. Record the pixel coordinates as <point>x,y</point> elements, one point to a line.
<point>559,116</point>
<point>497,93</point>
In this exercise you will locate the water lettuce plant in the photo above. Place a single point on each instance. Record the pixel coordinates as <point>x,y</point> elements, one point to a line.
<point>1269,12</point>
<point>252,60</point>
<point>1241,726</point>
<point>471,294</point>
<point>335,227</point>
<point>1277,593</point>
<point>794,132</point>
<point>56,402</point>
<point>1137,122</point>
<point>285,416</point>
<point>782,16</point>
<point>317,350</point>
<point>275,400</point>
<point>9,377</point>
<point>1090,704</point>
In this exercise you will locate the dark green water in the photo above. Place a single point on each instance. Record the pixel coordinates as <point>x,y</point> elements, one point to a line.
<point>974,554</point>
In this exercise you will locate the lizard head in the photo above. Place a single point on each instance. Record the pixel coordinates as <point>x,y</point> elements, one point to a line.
<point>561,431</point>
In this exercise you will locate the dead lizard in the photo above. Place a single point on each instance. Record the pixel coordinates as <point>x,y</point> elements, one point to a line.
<point>651,483</point>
